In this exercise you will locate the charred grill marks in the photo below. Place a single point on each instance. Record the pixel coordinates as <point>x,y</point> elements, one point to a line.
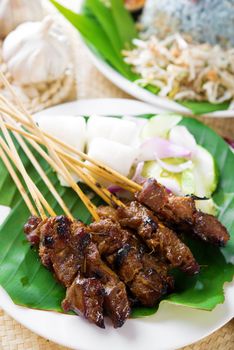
<point>129,259</point>
<point>65,247</point>
<point>85,297</point>
<point>180,213</point>
<point>159,238</point>
<point>125,237</point>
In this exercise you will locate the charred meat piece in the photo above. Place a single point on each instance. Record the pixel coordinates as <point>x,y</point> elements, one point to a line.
<point>181,213</point>
<point>127,256</point>
<point>116,302</point>
<point>85,297</point>
<point>209,229</point>
<point>32,230</point>
<point>62,247</point>
<point>158,237</point>
<point>66,249</point>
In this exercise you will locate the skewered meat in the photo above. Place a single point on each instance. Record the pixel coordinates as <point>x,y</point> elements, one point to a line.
<point>181,213</point>
<point>66,249</point>
<point>62,247</point>
<point>32,229</point>
<point>85,297</point>
<point>158,237</point>
<point>147,280</point>
<point>116,303</point>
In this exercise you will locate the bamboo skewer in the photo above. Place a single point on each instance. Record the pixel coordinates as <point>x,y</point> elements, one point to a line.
<point>42,174</point>
<point>71,158</point>
<point>17,182</point>
<point>97,188</point>
<point>27,180</point>
<point>66,175</point>
<point>60,159</point>
<point>13,154</point>
<point>90,206</point>
<point>102,168</point>
<point>86,177</point>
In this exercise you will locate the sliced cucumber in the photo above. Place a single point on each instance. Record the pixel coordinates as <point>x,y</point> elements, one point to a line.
<point>201,180</point>
<point>187,182</point>
<point>207,206</point>
<point>205,173</point>
<point>159,125</point>
<point>151,169</point>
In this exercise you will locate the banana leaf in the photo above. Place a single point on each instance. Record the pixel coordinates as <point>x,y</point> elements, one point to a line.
<point>107,31</point>
<point>28,283</point>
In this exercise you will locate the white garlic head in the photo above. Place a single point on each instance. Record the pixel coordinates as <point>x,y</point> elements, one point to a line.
<point>37,52</point>
<point>15,12</point>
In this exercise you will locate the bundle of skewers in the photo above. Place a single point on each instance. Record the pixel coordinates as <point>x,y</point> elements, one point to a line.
<point>125,256</point>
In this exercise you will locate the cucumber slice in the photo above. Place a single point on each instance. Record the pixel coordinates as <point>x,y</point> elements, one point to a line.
<point>152,169</point>
<point>205,173</point>
<point>159,125</point>
<point>201,180</point>
<point>207,206</point>
<point>187,182</point>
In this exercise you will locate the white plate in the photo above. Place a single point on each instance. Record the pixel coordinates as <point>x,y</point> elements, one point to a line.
<point>170,328</point>
<point>144,95</point>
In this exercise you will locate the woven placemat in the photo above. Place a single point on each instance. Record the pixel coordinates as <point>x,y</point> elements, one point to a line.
<point>91,84</point>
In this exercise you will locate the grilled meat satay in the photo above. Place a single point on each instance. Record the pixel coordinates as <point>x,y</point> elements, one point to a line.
<point>116,303</point>
<point>62,245</point>
<point>181,213</point>
<point>147,280</point>
<point>158,237</point>
<point>86,297</point>
<point>66,249</point>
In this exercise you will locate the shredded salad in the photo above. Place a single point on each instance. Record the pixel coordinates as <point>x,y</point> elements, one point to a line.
<point>183,70</point>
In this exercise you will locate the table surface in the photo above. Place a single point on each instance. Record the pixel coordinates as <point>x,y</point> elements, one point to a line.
<point>91,84</point>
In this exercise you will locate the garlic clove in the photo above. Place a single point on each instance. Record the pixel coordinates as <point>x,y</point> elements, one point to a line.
<point>37,52</point>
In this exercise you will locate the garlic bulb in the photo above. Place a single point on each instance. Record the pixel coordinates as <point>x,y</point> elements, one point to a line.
<point>36,52</point>
<point>15,12</point>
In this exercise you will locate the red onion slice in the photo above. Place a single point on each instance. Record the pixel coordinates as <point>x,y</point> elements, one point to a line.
<point>172,168</point>
<point>115,189</point>
<point>163,148</point>
<point>137,176</point>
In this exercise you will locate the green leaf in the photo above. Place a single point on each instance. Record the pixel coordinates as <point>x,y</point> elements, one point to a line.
<point>96,38</point>
<point>225,201</point>
<point>105,18</point>
<point>204,107</point>
<point>124,22</point>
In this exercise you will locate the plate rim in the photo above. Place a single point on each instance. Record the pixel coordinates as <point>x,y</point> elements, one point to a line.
<point>13,308</point>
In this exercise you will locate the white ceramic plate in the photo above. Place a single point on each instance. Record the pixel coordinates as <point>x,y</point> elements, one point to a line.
<point>144,95</point>
<point>170,328</point>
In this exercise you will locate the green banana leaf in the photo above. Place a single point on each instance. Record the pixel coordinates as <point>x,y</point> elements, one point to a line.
<point>109,30</point>
<point>28,283</point>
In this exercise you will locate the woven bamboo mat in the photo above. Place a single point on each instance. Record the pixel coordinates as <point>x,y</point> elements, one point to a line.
<point>91,84</point>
